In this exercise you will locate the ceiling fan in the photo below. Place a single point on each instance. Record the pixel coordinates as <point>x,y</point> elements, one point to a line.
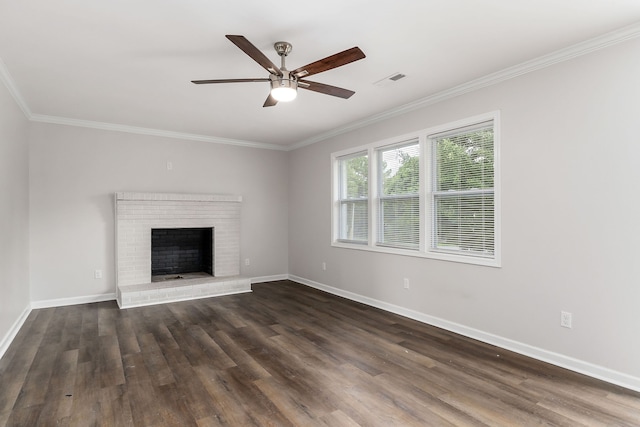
<point>285,83</point>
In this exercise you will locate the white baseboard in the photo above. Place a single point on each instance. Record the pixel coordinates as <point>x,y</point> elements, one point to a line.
<point>13,331</point>
<point>60,302</point>
<point>269,278</point>
<point>576,365</point>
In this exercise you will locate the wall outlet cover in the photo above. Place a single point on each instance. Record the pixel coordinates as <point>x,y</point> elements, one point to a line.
<point>566,319</point>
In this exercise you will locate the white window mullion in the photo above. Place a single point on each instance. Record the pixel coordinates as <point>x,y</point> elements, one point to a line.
<point>425,184</point>
<point>374,195</point>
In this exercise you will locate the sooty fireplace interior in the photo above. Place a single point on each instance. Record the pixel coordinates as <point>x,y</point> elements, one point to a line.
<point>179,251</point>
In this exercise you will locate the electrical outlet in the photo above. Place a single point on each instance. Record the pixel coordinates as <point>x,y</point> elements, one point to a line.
<point>247,261</point>
<point>406,283</point>
<point>97,274</point>
<point>565,319</point>
<point>169,166</point>
<point>324,266</point>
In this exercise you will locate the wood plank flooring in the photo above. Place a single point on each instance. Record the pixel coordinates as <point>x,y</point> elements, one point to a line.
<point>284,355</point>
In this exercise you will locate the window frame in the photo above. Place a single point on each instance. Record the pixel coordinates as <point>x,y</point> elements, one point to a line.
<point>339,190</point>
<point>437,195</point>
<point>380,197</point>
<point>426,171</point>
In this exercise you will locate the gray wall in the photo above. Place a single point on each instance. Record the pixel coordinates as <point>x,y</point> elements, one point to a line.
<point>570,212</point>
<point>76,171</point>
<point>14,214</point>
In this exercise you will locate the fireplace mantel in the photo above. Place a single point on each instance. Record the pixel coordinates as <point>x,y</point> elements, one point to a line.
<point>178,197</point>
<point>138,213</point>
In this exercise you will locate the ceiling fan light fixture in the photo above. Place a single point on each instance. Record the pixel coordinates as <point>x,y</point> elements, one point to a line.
<point>284,83</point>
<point>284,90</point>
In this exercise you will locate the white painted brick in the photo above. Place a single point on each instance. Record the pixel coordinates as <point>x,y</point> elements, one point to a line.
<point>184,291</point>
<point>199,290</point>
<point>138,213</point>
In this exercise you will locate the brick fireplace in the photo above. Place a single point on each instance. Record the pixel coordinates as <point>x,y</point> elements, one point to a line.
<point>137,214</point>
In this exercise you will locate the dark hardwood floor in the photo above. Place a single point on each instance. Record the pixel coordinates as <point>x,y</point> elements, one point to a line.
<point>284,355</point>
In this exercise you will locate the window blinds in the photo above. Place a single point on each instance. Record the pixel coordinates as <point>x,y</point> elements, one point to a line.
<point>354,198</point>
<point>463,191</point>
<point>399,202</point>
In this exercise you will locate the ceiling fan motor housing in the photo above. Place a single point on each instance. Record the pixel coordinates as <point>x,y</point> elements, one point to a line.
<point>284,88</point>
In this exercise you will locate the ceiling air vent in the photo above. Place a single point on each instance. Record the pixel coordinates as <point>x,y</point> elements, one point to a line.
<point>390,79</point>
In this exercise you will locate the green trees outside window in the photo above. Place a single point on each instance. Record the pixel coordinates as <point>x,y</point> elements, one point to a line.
<point>463,197</point>
<point>399,211</point>
<point>432,193</point>
<point>354,198</point>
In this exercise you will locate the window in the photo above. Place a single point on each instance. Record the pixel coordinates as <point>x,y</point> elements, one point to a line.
<point>354,202</point>
<point>434,193</point>
<point>463,193</point>
<point>399,185</point>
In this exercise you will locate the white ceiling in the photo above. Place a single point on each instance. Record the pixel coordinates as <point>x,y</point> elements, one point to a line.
<point>128,63</point>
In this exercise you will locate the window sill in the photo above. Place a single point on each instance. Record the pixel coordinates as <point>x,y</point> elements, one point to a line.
<point>487,262</point>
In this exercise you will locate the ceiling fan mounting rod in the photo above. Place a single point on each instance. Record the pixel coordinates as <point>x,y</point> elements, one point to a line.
<point>283,49</point>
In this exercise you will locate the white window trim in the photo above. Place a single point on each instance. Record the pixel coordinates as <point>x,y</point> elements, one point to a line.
<point>426,220</point>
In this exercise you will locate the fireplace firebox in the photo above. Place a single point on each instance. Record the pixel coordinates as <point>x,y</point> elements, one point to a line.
<point>177,253</point>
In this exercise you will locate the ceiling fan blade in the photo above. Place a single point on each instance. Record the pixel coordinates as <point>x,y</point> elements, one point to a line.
<point>255,54</point>
<point>204,82</point>
<point>326,89</point>
<point>333,61</point>
<point>270,102</point>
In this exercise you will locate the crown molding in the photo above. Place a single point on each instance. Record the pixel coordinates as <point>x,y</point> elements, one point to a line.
<point>8,81</point>
<point>561,55</point>
<point>152,132</point>
<point>565,54</point>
